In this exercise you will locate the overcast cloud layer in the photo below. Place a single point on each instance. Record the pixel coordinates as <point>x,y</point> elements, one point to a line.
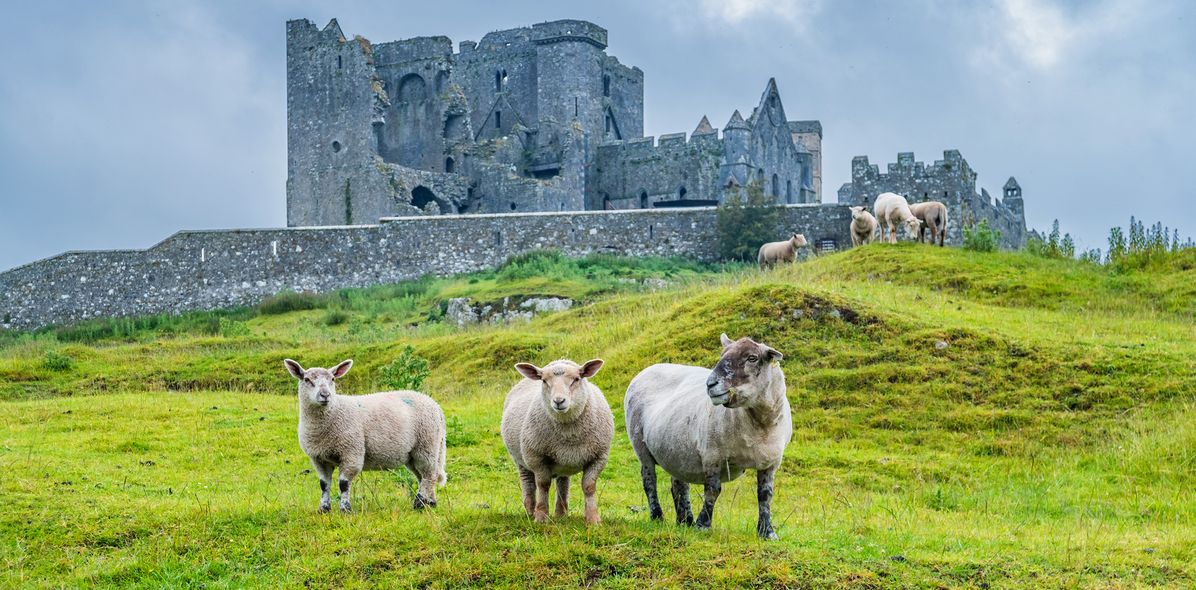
<point>123,123</point>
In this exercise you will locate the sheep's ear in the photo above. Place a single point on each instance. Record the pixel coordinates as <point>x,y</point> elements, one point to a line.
<point>591,368</point>
<point>294,368</point>
<point>725,341</point>
<point>771,353</point>
<point>340,370</point>
<point>529,370</point>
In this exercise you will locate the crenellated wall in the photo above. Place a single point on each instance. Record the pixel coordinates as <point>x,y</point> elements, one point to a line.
<point>197,270</point>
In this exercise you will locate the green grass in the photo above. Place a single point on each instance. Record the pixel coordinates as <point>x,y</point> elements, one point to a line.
<point>1051,443</point>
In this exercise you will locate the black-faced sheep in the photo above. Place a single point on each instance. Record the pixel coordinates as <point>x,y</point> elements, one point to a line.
<point>708,426</point>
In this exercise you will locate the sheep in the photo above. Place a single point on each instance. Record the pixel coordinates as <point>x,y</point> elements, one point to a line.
<point>708,426</point>
<point>773,252</point>
<point>555,423</point>
<point>379,431</point>
<point>933,214</point>
<point>863,226</point>
<point>891,209</point>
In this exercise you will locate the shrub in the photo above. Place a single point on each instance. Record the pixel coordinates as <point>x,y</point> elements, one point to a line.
<point>57,361</point>
<point>981,238</point>
<point>288,301</point>
<point>335,317</point>
<point>406,372</point>
<point>746,223</point>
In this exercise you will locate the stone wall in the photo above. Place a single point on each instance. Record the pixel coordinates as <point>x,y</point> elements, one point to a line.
<point>196,270</point>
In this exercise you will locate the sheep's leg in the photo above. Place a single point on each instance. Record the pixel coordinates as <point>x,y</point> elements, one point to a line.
<point>324,472</point>
<point>562,496</point>
<point>425,497</point>
<point>764,479</point>
<point>685,515</point>
<point>543,484</point>
<point>527,481</point>
<point>710,494</point>
<point>892,233</point>
<point>589,487</point>
<point>348,473</point>
<point>425,470</point>
<point>648,475</point>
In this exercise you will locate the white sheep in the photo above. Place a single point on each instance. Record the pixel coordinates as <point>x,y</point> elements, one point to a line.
<point>773,252</point>
<point>555,423</point>
<point>379,431</point>
<point>933,215</point>
<point>891,210</point>
<point>707,426</point>
<point>863,226</point>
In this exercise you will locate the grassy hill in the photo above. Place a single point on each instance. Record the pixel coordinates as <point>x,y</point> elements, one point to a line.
<point>961,420</point>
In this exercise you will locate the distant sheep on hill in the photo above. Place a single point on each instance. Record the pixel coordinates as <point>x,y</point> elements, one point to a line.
<point>933,215</point>
<point>892,210</point>
<point>773,253</point>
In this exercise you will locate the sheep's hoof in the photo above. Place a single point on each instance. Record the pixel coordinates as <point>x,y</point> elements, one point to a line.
<point>325,508</point>
<point>769,536</point>
<point>593,520</point>
<point>541,517</point>
<point>345,508</point>
<point>421,502</point>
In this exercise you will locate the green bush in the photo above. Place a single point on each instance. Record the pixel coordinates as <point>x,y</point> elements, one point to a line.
<point>288,301</point>
<point>746,223</point>
<point>981,238</point>
<point>335,317</point>
<point>406,372</point>
<point>57,361</point>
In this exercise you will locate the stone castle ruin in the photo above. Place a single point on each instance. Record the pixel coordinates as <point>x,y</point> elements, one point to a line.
<point>950,181</point>
<point>537,118</point>
<point>409,158</point>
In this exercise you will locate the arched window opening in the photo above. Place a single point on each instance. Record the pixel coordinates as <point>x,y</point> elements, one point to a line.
<point>498,119</point>
<point>788,191</point>
<point>339,63</point>
<point>606,86</point>
<point>421,196</point>
<point>448,165</point>
<point>776,185</point>
<point>513,206</point>
<point>681,193</point>
<point>643,199</point>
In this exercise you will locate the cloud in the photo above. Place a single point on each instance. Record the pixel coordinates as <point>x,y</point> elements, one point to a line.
<point>735,12</point>
<point>1043,35</point>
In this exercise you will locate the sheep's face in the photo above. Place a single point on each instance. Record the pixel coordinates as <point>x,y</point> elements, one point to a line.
<point>798,240</point>
<point>859,213</point>
<point>317,386</point>
<point>913,225</point>
<point>742,374</point>
<point>562,384</point>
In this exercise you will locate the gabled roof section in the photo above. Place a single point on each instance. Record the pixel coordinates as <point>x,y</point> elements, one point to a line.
<point>1012,183</point>
<point>770,108</point>
<point>703,126</point>
<point>334,27</point>
<point>736,121</point>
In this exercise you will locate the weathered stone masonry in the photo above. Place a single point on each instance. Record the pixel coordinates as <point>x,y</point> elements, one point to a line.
<point>197,270</point>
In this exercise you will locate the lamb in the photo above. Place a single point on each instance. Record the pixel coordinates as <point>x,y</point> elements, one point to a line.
<point>773,252</point>
<point>863,226</point>
<point>555,423</point>
<point>892,209</point>
<point>933,214</point>
<point>379,431</point>
<point>708,426</point>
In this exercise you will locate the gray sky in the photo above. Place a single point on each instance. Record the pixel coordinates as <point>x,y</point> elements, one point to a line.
<point>123,122</point>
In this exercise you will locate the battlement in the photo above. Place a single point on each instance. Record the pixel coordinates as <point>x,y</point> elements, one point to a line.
<point>569,30</point>
<point>304,31</point>
<point>413,49</point>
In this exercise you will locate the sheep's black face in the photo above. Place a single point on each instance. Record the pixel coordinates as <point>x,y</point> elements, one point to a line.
<point>741,372</point>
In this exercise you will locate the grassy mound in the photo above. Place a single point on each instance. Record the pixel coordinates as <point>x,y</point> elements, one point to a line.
<point>961,420</point>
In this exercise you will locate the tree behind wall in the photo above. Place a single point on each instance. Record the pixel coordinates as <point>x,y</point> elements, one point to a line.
<point>745,222</point>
